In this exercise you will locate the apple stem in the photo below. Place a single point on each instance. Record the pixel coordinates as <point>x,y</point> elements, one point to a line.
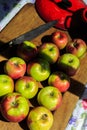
<point>70,61</point>
<point>51,49</point>
<point>51,94</point>
<point>76,44</point>
<point>27,85</point>
<point>16,64</point>
<point>14,104</point>
<point>44,116</point>
<point>62,76</point>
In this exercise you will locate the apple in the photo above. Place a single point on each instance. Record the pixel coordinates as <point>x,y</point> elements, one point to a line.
<point>49,51</point>
<point>40,118</point>
<point>59,80</point>
<point>27,86</point>
<point>49,97</point>
<point>27,50</point>
<point>15,67</point>
<point>14,107</point>
<point>60,39</point>
<point>6,84</point>
<point>39,69</point>
<point>69,63</point>
<point>77,47</point>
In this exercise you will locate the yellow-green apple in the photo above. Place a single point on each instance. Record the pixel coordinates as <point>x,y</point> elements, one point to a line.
<point>69,63</point>
<point>60,39</point>
<point>6,84</point>
<point>39,69</point>
<point>15,67</point>
<point>40,118</point>
<point>77,47</point>
<point>27,86</point>
<point>49,51</point>
<point>59,80</point>
<point>49,97</point>
<point>14,107</point>
<point>27,50</point>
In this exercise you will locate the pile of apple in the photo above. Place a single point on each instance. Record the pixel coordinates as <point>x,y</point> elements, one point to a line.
<point>40,73</point>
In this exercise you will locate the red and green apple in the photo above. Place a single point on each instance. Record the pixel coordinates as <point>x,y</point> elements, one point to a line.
<point>68,63</point>
<point>59,80</point>
<point>15,67</point>
<point>40,118</point>
<point>27,50</point>
<point>49,51</point>
<point>49,97</point>
<point>60,39</point>
<point>77,47</point>
<point>39,69</point>
<point>14,107</point>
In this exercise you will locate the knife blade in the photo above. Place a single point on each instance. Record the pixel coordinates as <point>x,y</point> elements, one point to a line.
<point>28,35</point>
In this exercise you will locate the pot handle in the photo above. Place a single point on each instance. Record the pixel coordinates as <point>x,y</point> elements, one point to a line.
<point>68,22</point>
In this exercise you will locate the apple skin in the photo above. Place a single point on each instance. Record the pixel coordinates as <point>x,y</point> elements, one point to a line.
<point>39,69</point>
<point>26,86</point>
<point>15,67</point>
<point>49,51</point>
<point>6,84</point>
<point>49,97</point>
<point>59,80</point>
<point>27,50</point>
<point>68,63</point>
<point>40,118</point>
<point>14,107</point>
<point>60,39</point>
<point>77,47</point>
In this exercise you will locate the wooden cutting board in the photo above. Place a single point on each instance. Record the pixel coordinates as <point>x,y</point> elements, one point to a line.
<point>24,21</point>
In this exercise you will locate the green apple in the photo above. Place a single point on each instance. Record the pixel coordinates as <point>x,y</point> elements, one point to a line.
<point>39,69</point>
<point>40,118</point>
<point>27,86</point>
<point>50,52</point>
<point>14,107</point>
<point>49,97</point>
<point>69,63</point>
<point>6,84</point>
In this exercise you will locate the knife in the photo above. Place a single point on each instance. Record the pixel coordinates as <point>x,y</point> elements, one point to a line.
<point>28,35</point>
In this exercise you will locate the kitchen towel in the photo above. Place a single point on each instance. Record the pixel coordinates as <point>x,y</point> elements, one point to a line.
<point>9,8</point>
<point>78,120</point>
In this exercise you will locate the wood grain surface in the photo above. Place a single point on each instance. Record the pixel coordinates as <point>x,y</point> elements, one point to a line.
<point>24,21</point>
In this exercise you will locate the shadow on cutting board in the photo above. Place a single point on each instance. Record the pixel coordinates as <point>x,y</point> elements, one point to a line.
<point>76,88</point>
